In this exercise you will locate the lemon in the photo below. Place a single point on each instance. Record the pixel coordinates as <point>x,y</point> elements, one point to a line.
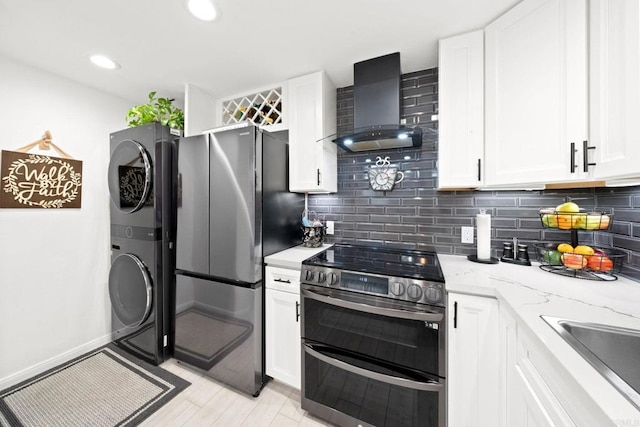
<point>564,247</point>
<point>569,207</point>
<point>584,250</point>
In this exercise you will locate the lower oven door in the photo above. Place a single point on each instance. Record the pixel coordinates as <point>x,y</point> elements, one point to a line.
<point>405,334</point>
<point>347,389</point>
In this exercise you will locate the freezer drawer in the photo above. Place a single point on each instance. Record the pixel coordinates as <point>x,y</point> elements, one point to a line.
<point>218,328</point>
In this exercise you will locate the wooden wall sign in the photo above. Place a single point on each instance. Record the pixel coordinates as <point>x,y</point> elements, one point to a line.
<point>39,181</point>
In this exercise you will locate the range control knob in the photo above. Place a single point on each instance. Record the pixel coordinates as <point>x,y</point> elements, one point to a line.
<point>333,279</point>
<point>322,276</point>
<point>397,288</point>
<point>433,294</point>
<point>414,292</point>
<point>308,276</point>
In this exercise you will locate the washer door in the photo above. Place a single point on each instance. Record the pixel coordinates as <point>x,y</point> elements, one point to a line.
<point>130,290</point>
<point>130,176</point>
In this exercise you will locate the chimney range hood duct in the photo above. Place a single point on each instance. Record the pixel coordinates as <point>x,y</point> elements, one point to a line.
<point>376,108</point>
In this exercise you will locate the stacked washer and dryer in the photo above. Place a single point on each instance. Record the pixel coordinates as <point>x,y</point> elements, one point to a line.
<point>142,169</point>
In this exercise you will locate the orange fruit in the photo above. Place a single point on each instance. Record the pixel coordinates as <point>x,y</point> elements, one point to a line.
<point>600,263</point>
<point>574,261</point>
<point>604,222</point>
<point>564,221</point>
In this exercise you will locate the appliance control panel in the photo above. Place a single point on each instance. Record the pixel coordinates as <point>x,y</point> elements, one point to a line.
<point>399,288</point>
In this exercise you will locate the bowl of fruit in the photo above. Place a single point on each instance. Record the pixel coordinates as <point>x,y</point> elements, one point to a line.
<point>569,216</point>
<point>582,261</point>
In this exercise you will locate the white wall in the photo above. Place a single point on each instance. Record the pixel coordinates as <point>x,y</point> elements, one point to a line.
<point>54,264</point>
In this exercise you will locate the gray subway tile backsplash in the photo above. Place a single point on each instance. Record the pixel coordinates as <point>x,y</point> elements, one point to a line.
<point>415,215</point>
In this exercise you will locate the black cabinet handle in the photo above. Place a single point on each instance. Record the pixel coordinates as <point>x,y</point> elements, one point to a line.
<point>281,281</point>
<point>297,310</point>
<point>479,163</point>
<point>585,156</point>
<point>318,176</point>
<point>572,166</point>
<point>455,315</point>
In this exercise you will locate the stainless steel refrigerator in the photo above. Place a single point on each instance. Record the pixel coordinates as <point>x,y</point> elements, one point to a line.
<point>234,209</point>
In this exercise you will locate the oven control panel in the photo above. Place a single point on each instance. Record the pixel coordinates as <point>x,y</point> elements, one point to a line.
<point>400,288</point>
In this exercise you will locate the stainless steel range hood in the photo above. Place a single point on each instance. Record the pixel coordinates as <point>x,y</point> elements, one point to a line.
<point>376,108</point>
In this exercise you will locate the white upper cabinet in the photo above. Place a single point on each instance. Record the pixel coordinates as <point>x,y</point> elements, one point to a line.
<point>615,88</point>
<point>536,93</point>
<point>199,110</point>
<point>312,125</point>
<point>461,111</point>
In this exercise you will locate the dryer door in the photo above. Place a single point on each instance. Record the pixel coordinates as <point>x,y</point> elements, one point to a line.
<point>130,176</point>
<point>130,289</point>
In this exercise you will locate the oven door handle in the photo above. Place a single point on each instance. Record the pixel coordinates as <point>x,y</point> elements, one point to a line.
<point>387,379</point>
<point>383,311</point>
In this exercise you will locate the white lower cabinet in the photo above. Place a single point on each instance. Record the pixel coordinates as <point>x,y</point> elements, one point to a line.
<point>532,403</point>
<point>473,361</point>
<point>282,325</point>
<point>536,390</point>
<point>500,374</point>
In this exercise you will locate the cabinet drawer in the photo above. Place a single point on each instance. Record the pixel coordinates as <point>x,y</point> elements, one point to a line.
<point>283,279</point>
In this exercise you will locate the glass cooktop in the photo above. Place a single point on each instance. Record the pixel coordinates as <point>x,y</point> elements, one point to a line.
<point>421,265</point>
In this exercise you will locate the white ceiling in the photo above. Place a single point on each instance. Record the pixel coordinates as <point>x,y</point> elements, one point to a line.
<point>254,43</point>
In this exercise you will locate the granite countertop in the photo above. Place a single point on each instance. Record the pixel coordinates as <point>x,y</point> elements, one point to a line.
<point>293,257</point>
<point>529,292</point>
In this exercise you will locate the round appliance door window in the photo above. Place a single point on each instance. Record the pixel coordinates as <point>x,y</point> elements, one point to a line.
<point>130,176</point>
<point>130,290</point>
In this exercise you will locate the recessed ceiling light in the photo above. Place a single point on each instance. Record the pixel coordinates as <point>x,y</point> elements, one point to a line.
<point>202,9</point>
<point>104,62</point>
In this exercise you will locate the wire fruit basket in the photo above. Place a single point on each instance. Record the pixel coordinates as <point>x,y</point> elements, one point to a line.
<point>583,262</point>
<point>593,221</point>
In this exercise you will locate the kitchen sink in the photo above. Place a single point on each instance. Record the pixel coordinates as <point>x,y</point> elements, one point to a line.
<point>612,351</point>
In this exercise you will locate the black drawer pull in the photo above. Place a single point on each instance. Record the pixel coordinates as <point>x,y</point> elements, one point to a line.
<point>572,166</point>
<point>281,281</point>
<point>585,156</point>
<point>455,315</point>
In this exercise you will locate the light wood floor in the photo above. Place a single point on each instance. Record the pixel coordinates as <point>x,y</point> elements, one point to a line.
<point>209,403</point>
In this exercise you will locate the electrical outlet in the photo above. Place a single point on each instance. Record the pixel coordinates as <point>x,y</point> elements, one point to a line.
<point>329,225</point>
<point>467,235</point>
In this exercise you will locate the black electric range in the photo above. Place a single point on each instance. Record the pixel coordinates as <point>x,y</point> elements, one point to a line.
<point>409,275</point>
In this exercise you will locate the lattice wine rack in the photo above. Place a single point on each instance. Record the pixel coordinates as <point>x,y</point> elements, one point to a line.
<point>262,108</point>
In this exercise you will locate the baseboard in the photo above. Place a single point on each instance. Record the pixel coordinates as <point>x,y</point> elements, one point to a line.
<point>34,370</point>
